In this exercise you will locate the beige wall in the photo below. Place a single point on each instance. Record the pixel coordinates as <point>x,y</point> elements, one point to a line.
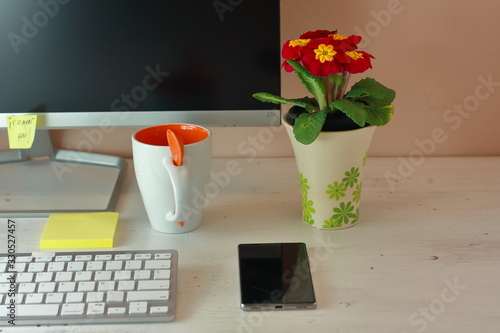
<point>436,54</point>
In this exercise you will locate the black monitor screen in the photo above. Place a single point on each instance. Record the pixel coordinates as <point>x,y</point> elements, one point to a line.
<point>151,55</point>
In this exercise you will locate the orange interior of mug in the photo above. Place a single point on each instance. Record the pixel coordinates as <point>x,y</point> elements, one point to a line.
<point>157,135</point>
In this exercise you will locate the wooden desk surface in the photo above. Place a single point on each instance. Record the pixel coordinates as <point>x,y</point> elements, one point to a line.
<point>425,256</point>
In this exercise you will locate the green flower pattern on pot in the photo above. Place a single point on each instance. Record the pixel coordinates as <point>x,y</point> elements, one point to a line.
<point>357,193</point>
<point>345,213</point>
<point>351,177</point>
<point>307,205</point>
<point>336,190</point>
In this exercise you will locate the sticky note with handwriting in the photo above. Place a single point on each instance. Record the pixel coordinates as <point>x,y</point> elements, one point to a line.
<point>79,230</point>
<point>21,131</point>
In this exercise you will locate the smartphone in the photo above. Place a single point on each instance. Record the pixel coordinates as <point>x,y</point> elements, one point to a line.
<point>275,276</point>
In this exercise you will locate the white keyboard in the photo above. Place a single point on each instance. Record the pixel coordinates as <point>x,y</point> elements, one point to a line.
<point>88,287</point>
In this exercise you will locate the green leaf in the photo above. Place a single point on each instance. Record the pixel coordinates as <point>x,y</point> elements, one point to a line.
<point>312,83</point>
<point>267,97</point>
<point>305,102</point>
<point>371,93</point>
<point>356,92</point>
<point>308,126</point>
<point>355,111</point>
<point>379,116</point>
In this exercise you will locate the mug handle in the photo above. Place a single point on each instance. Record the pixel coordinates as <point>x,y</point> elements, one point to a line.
<point>180,183</point>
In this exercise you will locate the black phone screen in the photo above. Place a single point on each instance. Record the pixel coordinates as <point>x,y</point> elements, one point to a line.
<point>275,276</point>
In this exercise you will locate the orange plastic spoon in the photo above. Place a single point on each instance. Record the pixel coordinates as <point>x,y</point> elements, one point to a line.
<point>176,147</point>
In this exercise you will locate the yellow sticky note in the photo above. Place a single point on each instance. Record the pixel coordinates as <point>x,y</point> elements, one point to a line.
<point>21,131</point>
<point>79,230</point>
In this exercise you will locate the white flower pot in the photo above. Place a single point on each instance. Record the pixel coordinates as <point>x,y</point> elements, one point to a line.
<point>331,176</point>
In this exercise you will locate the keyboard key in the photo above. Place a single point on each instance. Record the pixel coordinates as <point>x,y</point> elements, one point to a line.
<point>54,298</point>
<point>63,276</point>
<point>46,287</point>
<point>4,287</point>
<point>73,309</point>
<point>159,309</point>
<point>75,266</point>
<point>162,274</point>
<point>84,257</point>
<point>125,256</point>
<point>86,286</point>
<point>106,285</point>
<point>24,310</point>
<point>133,264</point>
<point>143,256</point>
<point>95,309</point>
<point>74,297</point>
<point>18,267</point>
<point>66,287</point>
<point>97,296</point>
<point>36,267</point>
<point>19,298</point>
<point>25,277</point>
<point>114,265</point>
<point>142,275</point>
<point>123,275</point>
<point>34,298</point>
<point>26,288</point>
<point>95,265</point>
<point>83,276</point>
<point>56,266</point>
<point>24,259</point>
<point>157,264</point>
<point>44,259</point>
<point>163,256</point>
<point>115,296</point>
<point>138,307</point>
<point>153,285</point>
<point>126,285</point>
<point>117,311</point>
<point>156,295</point>
<point>44,277</point>
<point>102,275</point>
<point>103,257</point>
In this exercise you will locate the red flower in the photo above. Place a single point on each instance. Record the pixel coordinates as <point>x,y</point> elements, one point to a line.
<point>359,61</point>
<point>324,52</point>
<point>346,43</point>
<point>292,50</point>
<point>317,34</point>
<point>321,58</point>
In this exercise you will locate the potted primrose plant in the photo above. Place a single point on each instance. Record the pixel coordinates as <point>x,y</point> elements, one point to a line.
<point>331,130</point>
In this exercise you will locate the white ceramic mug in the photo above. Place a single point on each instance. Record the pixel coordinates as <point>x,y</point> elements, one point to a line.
<point>172,195</point>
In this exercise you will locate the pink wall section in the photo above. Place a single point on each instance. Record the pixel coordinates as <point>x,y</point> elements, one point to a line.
<point>441,56</point>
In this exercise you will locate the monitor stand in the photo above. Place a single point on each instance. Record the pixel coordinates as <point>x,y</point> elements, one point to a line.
<point>39,181</point>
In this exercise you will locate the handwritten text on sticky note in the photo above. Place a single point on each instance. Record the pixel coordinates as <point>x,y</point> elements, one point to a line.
<point>21,131</point>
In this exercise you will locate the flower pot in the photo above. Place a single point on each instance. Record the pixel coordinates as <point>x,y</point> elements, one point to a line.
<point>331,175</point>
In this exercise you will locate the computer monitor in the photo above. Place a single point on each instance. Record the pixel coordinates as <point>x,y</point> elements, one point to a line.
<point>103,64</point>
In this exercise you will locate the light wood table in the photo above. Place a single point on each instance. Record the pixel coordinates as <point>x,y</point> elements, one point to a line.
<point>425,256</point>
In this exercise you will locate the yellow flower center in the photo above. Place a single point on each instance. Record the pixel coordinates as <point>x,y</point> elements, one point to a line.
<point>325,53</point>
<point>339,37</point>
<point>298,42</point>
<point>354,55</point>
